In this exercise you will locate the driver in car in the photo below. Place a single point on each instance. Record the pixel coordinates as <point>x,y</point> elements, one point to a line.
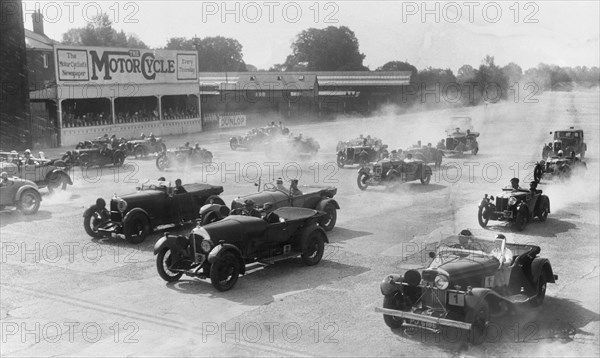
<point>179,189</point>
<point>514,184</point>
<point>28,160</point>
<point>280,186</point>
<point>294,188</point>
<point>3,178</point>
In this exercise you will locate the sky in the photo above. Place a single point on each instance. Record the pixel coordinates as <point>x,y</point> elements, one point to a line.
<point>437,34</point>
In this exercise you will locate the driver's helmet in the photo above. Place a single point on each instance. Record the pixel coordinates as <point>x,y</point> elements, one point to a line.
<point>27,151</point>
<point>501,237</point>
<point>533,185</point>
<point>249,203</point>
<point>463,237</point>
<point>560,153</point>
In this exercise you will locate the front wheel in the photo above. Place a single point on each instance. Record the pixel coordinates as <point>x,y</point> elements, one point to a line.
<point>328,223</point>
<point>475,150</point>
<point>543,210</point>
<point>208,218</point>
<point>479,319</point>
<point>482,216</point>
<point>136,229</point>
<point>224,272</point>
<point>389,301</point>
<point>162,162</point>
<point>540,293</point>
<point>92,221</point>
<point>164,261</point>
<point>340,160</point>
<point>59,181</point>
<point>521,220</point>
<point>361,180</point>
<point>313,248</point>
<point>29,203</point>
<point>139,152</point>
<point>118,159</point>
<point>426,180</point>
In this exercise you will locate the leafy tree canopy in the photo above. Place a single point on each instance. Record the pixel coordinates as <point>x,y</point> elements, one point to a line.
<point>101,33</point>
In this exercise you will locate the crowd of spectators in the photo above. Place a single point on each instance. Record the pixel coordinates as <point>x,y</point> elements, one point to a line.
<point>71,119</point>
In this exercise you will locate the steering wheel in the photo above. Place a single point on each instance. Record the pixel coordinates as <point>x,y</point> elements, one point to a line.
<point>269,186</point>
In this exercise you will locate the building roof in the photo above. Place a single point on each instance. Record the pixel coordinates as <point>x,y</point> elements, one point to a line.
<point>242,80</point>
<point>36,41</point>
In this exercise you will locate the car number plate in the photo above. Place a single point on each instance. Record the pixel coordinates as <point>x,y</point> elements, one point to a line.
<point>423,324</point>
<point>508,214</point>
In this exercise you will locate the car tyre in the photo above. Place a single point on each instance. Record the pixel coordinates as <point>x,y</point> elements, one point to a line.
<point>389,301</point>
<point>478,317</point>
<point>224,272</point>
<point>541,291</point>
<point>475,150</point>
<point>482,216</point>
<point>59,181</point>
<point>233,144</point>
<point>90,225</point>
<point>163,261</point>
<point>162,162</point>
<point>543,210</point>
<point>521,220</point>
<point>313,246</point>
<point>361,180</point>
<point>328,223</point>
<point>118,159</point>
<point>426,180</point>
<point>208,218</point>
<point>340,160</point>
<point>139,152</point>
<point>136,229</point>
<point>29,202</point>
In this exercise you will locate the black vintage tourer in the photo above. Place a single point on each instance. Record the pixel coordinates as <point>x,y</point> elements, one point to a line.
<point>222,249</point>
<point>134,216</point>
<point>468,280</point>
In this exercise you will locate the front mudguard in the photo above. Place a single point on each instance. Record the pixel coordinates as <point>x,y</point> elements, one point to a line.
<point>323,203</point>
<point>522,207</point>
<point>174,242</point>
<point>218,251</point>
<point>26,187</point>
<point>54,172</point>
<point>220,210</point>
<point>364,170</point>
<point>390,284</point>
<point>541,266</point>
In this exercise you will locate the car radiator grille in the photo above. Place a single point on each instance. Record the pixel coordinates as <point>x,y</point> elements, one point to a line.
<point>434,298</point>
<point>501,204</point>
<point>115,214</point>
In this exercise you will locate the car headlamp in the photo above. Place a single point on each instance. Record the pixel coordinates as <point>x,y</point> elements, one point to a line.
<point>121,205</point>
<point>206,245</point>
<point>441,282</point>
<point>512,201</point>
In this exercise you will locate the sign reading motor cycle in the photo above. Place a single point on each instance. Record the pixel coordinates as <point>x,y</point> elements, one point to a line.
<point>115,65</point>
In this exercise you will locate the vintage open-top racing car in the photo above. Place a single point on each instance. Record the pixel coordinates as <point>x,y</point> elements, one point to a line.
<point>256,138</point>
<point>468,281</point>
<point>292,147</point>
<point>391,173</point>
<point>568,140</point>
<point>182,156</point>
<point>559,167</point>
<point>97,155</point>
<point>351,153</point>
<point>45,173</point>
<point>516,205</point>
<point>21,193</point>
<point>143,147</point>
<point>426,154</point>
<point>221,250</point>
<point>458,143</point>
<point>134,216</point>
<point>310,196</point>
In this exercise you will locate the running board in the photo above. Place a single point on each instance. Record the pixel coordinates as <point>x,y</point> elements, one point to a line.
<point>272,260</point>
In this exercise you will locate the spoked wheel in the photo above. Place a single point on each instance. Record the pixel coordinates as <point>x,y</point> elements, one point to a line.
<point>162,162</point>
<point>118,159</point>
<point>329,222</point>
<point>340,160</point>
<point>390,301</point>
<point>224,272</point>
<point>426,180</point>
<point>479,318</point>
<point>313,248</point>
<point>361,180</point>
<point>139,152</point>
<point>541,291</point>
<point>482,216</point>
<point>543,211</point>
<point>164,261</point>
<point>136,229</point>
<point>58,181</point>
<point>92,221</point>
<point>521,220</point>
<point>29,203</point>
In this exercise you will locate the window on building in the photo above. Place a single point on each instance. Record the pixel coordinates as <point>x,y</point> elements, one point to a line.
<point>45,60</point>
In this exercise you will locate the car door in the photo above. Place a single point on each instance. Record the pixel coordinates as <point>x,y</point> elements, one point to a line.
<point>7,192</point>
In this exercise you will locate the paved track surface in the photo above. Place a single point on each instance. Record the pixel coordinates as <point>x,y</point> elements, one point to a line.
<point>63,293</point>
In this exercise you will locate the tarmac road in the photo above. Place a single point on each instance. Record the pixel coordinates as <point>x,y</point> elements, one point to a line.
<point>63,293</point>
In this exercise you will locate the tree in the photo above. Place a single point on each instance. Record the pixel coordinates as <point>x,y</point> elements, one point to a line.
<point>400,66</point>
<point>513,72</point>
<point>101,33</point>
<point>329,49</point>
<point>215,54</point>
<point>491,82</point>
<point>466,73</point>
